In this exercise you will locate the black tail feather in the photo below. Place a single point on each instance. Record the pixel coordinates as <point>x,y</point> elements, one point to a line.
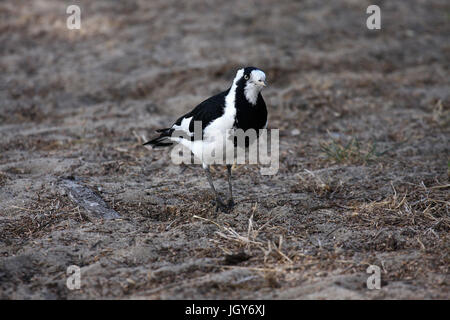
<point>162,140</point>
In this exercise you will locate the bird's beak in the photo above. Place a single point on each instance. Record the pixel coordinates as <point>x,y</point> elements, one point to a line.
<point>262,83</point>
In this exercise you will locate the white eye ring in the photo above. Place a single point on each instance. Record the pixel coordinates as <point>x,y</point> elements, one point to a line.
<point>246,77</point>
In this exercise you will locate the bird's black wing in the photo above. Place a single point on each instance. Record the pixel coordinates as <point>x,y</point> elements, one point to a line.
<point>206,112</point>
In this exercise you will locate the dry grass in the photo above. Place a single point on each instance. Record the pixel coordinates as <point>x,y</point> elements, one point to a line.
<point>38,218</point>
<point>250,241</point>
<point>425,207</point>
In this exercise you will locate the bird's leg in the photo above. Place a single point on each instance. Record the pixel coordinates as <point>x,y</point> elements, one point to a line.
<point>230,189</point>
<point>219,202</point>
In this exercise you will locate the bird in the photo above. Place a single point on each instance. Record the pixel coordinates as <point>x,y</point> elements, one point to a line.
<point>241,106</point>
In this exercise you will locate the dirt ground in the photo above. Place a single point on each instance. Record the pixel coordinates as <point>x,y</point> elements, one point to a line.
<point>364,151</point>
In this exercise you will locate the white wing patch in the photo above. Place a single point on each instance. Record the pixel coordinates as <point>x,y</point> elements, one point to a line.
<point>184,126</point>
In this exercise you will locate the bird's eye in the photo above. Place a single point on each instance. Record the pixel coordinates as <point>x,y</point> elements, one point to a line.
<point>246,77</point>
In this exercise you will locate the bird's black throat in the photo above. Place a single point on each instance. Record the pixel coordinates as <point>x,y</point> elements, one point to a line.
<point>248,115</point>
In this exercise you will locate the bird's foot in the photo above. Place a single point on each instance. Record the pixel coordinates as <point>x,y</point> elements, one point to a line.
<point>221,206</point>
<point>230,204</point>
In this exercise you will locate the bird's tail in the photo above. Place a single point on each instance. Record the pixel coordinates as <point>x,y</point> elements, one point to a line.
<point>163,139</point>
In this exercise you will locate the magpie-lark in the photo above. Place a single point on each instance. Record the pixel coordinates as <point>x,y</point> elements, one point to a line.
<point>239,107</point>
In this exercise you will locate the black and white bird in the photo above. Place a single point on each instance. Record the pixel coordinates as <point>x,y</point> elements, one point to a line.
<point>239,107</point>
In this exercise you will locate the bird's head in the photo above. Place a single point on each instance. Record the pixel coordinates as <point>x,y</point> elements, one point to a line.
<point>254,77</point>
<point>252,80</point>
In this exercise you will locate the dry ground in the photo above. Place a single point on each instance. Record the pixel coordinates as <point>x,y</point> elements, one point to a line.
<point>364,155</point>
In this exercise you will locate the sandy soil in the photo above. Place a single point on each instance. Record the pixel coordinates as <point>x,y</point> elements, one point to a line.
<point>364,155</point>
